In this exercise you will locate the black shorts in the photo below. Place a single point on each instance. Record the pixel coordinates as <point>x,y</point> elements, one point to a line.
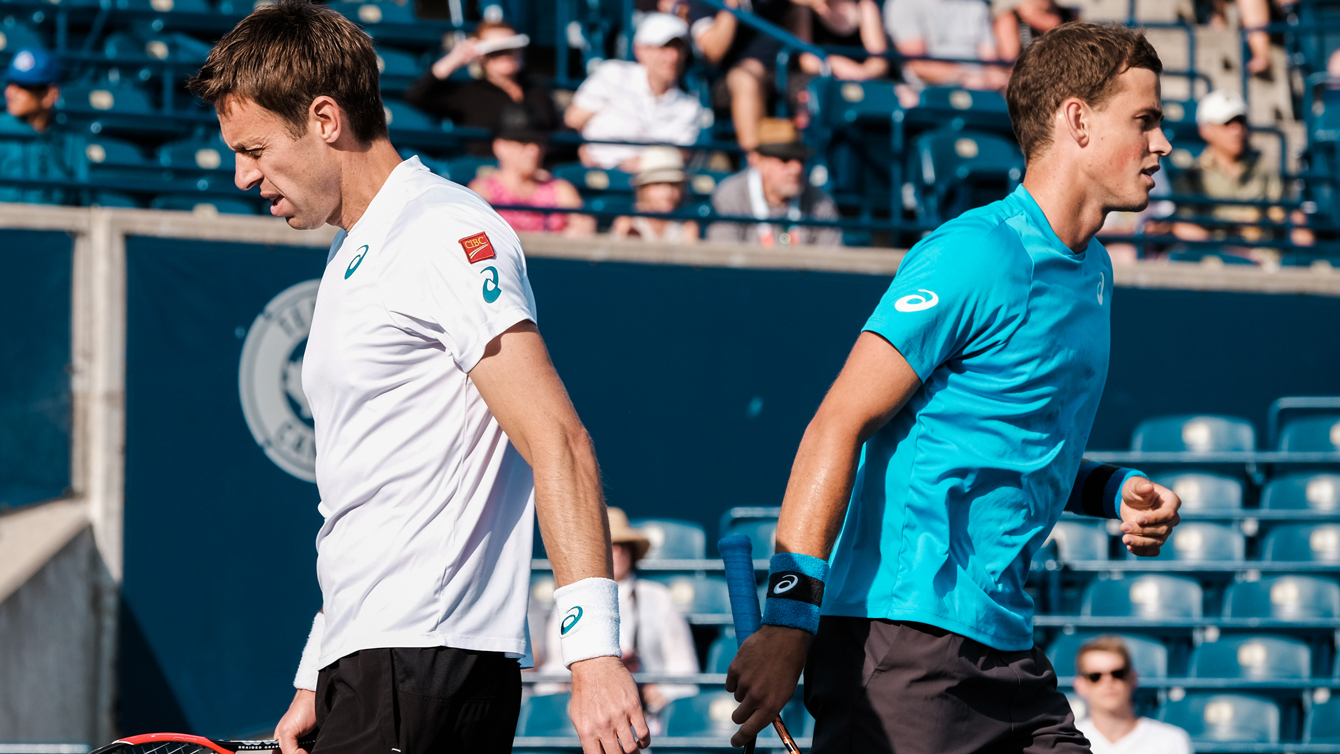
<point>880,687</point>
<point>435,700</point>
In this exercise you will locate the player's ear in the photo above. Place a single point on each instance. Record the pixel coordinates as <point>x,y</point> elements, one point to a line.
<point>325,116</point>
<point>1074,121</point>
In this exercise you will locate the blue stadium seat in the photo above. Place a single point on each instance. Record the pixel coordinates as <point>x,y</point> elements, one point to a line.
<point>1319,433</point>
<point>697,595</point>
<point>104,97</point>
<point>374,13</point>
<point>598,180</point>
<point>545,715</point>
<point>205,156</point>
<point>400,116</point>
<point>1323,723</point>
<point>956,170</point>
<point>705,182</point>
<point>706,714</point>
<point>1179,120</point>
<point>1197,434</point>
<point>1225,718</point>
<point>1257,658</point>
<point>1298,492</point>
<point>207,204</point>
<point>1315,543</point>
<point>856,101</point>
<point>397,66</point>
<point>106,160</point>
<point>721,652</point>
<point>1149,656</point>
<point>175,47</point>
<point>1152,596</point>
<point>1075,541</point>
<point>15,36</point>
<point>761,531</point>
<point>1195,541</point>
<point>1201,491</point>
<point>952,98</point>
<point>464,169</point>
<point>111,199</point>
<point>673,540</point>
<point>1283,598</point>
<point>161,6</point>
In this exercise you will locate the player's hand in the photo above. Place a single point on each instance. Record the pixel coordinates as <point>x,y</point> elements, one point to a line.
<point>1148,515</point>
<point>606,708</point>
<point>297,722</point>
<point>763,677</point>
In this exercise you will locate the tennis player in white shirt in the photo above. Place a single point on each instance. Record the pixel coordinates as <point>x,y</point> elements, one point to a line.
<point>441,425</point>
<point>1105,678</point>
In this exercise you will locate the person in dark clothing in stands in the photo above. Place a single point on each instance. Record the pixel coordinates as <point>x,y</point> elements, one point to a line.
<point>479,102</point>
<point>29,148</point>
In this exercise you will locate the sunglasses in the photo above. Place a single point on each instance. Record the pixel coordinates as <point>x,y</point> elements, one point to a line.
<point>1117,675</point>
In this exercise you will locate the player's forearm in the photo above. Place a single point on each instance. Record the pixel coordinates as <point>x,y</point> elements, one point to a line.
<point>820,487</point>
<point>571,507</point>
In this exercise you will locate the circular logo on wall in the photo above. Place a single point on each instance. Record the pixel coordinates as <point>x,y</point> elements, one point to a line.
<point>269,381</point>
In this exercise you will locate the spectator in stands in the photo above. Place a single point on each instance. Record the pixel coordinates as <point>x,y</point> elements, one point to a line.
<point>867,32</point>
<point>521,181</point>
<point>1230,169</point>
<point>660,188</point>
<point>749,57</point>
<point>653,634</point>
<point>493,54</point>
<point>959,29</point>
<point>774,188</point>
<point>1105,678</point>
<point>29,148</point>
<point>638,102</point>
<point>1016,27</point>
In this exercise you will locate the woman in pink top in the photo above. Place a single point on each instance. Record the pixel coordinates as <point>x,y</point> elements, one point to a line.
<point>520,181</point>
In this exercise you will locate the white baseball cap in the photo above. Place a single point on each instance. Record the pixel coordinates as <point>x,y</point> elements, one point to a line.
<point>1219,107</point>
<point>659,29</point>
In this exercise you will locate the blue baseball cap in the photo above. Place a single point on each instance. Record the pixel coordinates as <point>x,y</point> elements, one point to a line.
<point>33,66</point>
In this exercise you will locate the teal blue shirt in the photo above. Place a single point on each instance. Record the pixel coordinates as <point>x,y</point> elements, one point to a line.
<point>1008,330</point>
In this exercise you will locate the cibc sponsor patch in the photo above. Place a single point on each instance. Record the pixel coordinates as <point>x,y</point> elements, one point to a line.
<point>477,247</point>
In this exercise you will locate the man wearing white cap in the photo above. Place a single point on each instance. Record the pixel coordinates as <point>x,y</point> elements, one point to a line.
<point>1230,169</point>
<point>638,102</point>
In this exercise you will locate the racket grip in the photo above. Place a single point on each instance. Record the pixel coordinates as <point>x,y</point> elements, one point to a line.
<point>737,553</point>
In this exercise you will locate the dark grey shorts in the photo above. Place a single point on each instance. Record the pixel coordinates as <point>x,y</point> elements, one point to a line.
<point>880,687</point>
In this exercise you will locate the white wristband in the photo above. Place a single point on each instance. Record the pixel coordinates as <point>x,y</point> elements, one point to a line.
<point>307,669</point>
<point>590,627</point>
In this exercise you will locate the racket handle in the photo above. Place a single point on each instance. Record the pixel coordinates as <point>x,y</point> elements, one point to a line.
<point>737,554</point>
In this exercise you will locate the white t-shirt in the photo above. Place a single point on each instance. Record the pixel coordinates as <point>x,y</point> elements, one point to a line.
<point>429,509</point>
<point>625,110</point>
<point>1148,737</point>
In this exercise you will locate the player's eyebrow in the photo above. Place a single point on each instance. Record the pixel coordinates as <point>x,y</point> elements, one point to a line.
<point>1152,111</point>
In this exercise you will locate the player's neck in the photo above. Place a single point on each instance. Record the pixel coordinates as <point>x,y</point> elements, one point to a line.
<point>1114,725</point>
<point>1073,209</point>
<point>363,174</point>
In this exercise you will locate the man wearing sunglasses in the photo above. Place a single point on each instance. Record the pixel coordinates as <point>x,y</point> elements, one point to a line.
<point>1105,678</point>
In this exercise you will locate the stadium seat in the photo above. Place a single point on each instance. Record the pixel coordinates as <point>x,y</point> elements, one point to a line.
<point>161,6</point>
<point>393,63</point>
<point>1077,541</point>
<point>761,531</point>
<point>1323,723</point>
<point>952,98</point>
<point>1225,718</point>
<point>373,13</point>
<point>1179,120</point>
<point>106,160</point>
<point>400,116</point>
<point>111,199</point>
<point>1201,491</point>
<point>721,652</point>
<point>846,102</point>
<point>1152,596</point>
<point>1149,656</point>
<point>1194,541</point>
<point>105,97</point>
<point>1318,433</point>
<point>673,540</point>
<point>1283,598</point>
<point>705,714</point>
<point>697,595</point>
<point>1297,492</point>
<point>1256,658</point>
<point>1195,434</point>
<point>207,204</point>
<point>704,182</point>
<point>545,715</point>
<point>1316,543</point>
<point>205,156</point>
<point>176,47</point>
<point>462,170</point>
<point>954,170</point>
<point>597,180</point>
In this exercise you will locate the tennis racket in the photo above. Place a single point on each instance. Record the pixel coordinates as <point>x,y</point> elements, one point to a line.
<point>737,552</point>
<point>181,743</point>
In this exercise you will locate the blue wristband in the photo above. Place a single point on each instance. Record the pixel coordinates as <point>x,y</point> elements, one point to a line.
<point>795,591</point>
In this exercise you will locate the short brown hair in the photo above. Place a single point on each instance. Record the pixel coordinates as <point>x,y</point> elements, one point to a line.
<point>283,56</point>
<point>1112,644</point>
<point>1075,59</point>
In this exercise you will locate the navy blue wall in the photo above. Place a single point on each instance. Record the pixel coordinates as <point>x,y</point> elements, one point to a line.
<point>696,385</point>
<point>35,354</point>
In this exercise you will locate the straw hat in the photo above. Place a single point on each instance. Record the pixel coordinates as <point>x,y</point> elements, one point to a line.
<point>621,533</point>
<point>660,165</point>
<point>777,137</point>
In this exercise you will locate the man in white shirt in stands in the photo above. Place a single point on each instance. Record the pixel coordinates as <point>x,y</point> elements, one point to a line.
<point>638,102</point>
<point>1105,678</point>
<point>441,425</point>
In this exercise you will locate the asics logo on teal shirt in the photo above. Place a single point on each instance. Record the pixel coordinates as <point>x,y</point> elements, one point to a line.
<point>1101,280</point>
<point>915,303</point>
<point>353,263</point>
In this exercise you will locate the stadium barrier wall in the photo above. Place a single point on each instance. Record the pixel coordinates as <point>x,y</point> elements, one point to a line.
<point>695,369</point>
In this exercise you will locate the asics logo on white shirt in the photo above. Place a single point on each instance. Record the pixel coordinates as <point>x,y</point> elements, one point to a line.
<point>786,584</point>
<point>915,303</point>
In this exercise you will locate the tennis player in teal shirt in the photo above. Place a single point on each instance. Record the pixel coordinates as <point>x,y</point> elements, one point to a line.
<point>952,441</point>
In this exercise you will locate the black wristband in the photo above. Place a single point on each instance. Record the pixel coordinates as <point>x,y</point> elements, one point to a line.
<point>793,585</point>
